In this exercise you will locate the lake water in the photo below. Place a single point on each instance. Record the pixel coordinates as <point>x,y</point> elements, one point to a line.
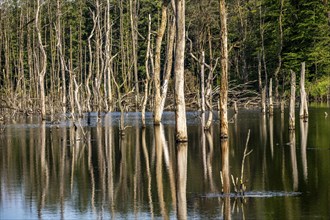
<point>87,170</point>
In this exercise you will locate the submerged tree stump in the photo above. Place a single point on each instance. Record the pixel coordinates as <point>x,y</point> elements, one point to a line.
<point>292,101</point>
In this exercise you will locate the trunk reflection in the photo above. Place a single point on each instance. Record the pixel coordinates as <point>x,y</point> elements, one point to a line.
<point>225,178</point>
<point>303,141</point>
<point>181,180</point>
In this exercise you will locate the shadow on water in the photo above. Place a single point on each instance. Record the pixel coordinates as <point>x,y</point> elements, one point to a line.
<point>86,169</point>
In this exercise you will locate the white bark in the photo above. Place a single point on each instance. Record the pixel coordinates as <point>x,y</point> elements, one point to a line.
<point>303,114</point>
<point>159,39</point>
<point>180,113</point>
<point>42,64</point>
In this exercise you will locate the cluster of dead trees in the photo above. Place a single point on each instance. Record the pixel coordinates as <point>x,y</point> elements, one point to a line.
<point>52,63</point>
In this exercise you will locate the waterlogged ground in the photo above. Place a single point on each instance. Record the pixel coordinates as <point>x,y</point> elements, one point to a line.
<point>86,170</point>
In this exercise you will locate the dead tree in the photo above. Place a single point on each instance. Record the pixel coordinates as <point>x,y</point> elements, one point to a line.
<point>224,71</point>
<point>169,62</point>
<point>159,39</point>
<point>279,65</point>
<point>303,114</point>
<point>133,19</point>
<point>146,81</point>
<point>180,110</point>
<point>59,39</point>
<point>42,63</point>
<point>270,102</point>
<point>90,66</point>
<point>263,100</point>
<point>292,101</point>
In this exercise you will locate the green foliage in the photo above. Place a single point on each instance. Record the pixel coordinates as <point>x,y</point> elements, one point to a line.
<point>307,37</point>
<point>319,88</point>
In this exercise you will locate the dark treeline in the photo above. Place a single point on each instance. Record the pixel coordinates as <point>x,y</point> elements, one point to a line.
<point>90,55</point>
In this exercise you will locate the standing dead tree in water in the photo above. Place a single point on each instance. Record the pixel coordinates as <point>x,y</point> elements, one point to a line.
<point>206,91</point>
<point>134,21</point>
<point>224,71</point>
<point>180,107</point>
<point>160,91</point>
<point>292,102</point>
<point>239,184</point>
<point>146,81</point>
<point>42,65</point>
<point>303,114</point>
<point>159,39</point>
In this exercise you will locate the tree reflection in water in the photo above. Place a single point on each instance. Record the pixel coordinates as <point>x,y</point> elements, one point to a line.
<point>181,180</point>
<point>76,169</point>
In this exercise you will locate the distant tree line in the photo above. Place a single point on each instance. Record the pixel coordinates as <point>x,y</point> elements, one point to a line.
<point>90,55</point>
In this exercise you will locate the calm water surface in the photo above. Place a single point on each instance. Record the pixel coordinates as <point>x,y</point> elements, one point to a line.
<point>87,170</point>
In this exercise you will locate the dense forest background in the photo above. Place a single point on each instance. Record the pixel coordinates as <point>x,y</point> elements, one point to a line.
<point>92,54</point>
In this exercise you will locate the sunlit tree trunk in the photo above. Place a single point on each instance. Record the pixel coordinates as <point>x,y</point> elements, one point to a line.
<point>61,65</point>
<point>133,18</point>
<point>90,66</point>
<point>42,65</point>
<point>209,94</point>
<point>224,71</point>
<point>159,39</point>
<point>180,111</point>
<point>108,61</point>
<point>146,81</point>
<point>122,45</point>
<point>71,85</point>
<point>169,63</point>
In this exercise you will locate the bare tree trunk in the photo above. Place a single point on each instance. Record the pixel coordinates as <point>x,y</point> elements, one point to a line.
<point>146,83</point>
<point>202,87</point>
<point>224,71</point>
<point>133,19</point>
<point>292,101</point>
<point>270,103</point>
<point>263,100</point>
<point>90,69</point>
<point>42,64</point>
<point>303,114</point>
<point>108,67</point>
<point>61,54</point>
<point>98,53</point>
<point>76,96</point>
<point>263,53</point>
<point>180,111</point>
<point>160,34</point>
<point>71,83</point>
<point>225,173</point>
<point>259,73</point>
<point>169,63</point>
<point>278,68</point>
<point>209,95</point>
<point>122,44</point>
